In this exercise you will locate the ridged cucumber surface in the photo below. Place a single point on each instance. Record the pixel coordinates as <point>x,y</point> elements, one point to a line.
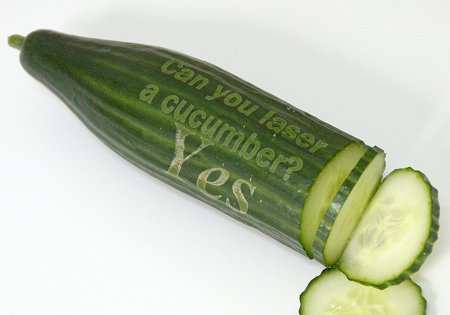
<point>195,126</point>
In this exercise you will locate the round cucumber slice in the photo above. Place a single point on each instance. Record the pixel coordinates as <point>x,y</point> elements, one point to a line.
<point>396,233</point>
<point>332,293</point>
<point>347,207</point>
<point>323,191</point>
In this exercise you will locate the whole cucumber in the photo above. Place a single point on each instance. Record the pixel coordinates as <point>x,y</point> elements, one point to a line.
<point>198,128</point>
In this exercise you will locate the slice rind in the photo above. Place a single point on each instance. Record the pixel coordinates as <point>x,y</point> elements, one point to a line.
<point>396,232</point>
<point>346,209</point>
<point>332,293</point>
<point>323,191</point>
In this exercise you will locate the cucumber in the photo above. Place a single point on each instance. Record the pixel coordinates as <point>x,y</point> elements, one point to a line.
<point>200,129</point>
<point>331,293</point>
<point>396,233</point>
<point>347,206</point>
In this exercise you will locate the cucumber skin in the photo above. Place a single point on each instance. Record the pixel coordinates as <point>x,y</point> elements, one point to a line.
<point>324,230</point>
<point>428,246</point>
<point>100,81</point>
<point>317,279</point>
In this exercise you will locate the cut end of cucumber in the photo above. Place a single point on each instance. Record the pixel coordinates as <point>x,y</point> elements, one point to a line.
<point>323,191</point>
<point>351,211</point>
<point>332,293</point>
<point>396,233</point>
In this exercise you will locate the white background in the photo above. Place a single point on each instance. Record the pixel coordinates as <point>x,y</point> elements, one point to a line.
<point>84,232</point>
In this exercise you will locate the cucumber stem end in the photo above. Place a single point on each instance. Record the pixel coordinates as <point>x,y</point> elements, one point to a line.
<point>16,41</point>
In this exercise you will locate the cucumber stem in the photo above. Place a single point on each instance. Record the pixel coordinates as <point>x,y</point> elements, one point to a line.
<point>16,41</point>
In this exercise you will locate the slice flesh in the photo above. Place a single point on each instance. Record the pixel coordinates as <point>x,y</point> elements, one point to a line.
<point>332,293</point>
<point>323,191</point>
<point>347,207</point>
<point>396,233</point>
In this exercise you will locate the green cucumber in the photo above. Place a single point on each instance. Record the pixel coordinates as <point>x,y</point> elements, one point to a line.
<point>347,206</point>
<point>396,233</point>
<point>198,128</point>
<point>331,293</point>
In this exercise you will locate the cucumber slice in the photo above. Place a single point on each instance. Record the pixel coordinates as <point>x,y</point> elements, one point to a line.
<point>396,233</point>
<point>323,191</point>
<point>347,207</point>
<point>332,293</point>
